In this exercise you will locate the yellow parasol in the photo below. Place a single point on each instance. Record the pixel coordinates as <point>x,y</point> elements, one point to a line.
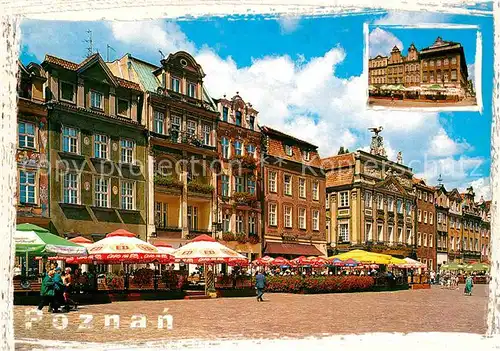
<point>368,257</point>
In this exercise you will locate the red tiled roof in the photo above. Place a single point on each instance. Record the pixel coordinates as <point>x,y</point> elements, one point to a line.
<point>74,67</point>
<point>275,132</point>
<point>338,161</point>
<point>292,249</point>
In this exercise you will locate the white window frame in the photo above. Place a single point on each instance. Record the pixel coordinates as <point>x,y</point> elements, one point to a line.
<point>101,148</point>
<point>425,217</point>
<point>61,82</point>
<point>306,155</point>
<point>288,217</point>
<point>191,127</point>
<point>272,181</point>
<point>127,151</point>
<point>302,218</point>
<point>225,147</point>
<point>93,95</point>
<point>175,87</point>
<point>191,90</point>
<point>344,198</point>
<point>252,228</point>
<point>226,186</point>
<point>315,190</point>
<point>288,150</point>
<point>28,185</point>
<point>419,215</point>
<point>408,236</point>
<point>368,199</point>
<point>380,232</point>
<point>369,231</point>
<point>315,220</point>
<point>26,137</point>
<point>390,204</point>
<point>239,224</point>
<point>250,149</point>
<point>302,188</point>
<point>73,189</point>
<point>71,139</point>
<point>238,148</point>
<point>102,198</point>
<point>207,135</point>
<point>343,232</point>
<point>159,122</point>
<point>431,239</point>
<point>431,218</point>
<point>127,196</point>
<point>118,109</point>
<point>161,214</point>
<point>287,186</point>
<point>226,222</point>
<point>390,234</point>
<point>273,214</point>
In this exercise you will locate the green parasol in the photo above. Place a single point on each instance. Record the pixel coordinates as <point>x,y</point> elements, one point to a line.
<point>452,267</point>
<point>477,267</point>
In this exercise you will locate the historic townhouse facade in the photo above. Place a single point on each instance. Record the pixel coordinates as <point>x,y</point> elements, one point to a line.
<point>454,225</point>
<point>239,182</point>
<point>485,207</point>
<point>395,67</point>
<point>377,70</point>
<point>32,153</point>
<point>371,202</point>
<point>426,225</point>
<point>294,218</point>
<point>412,67</point>
<point>471,225</point>
<point>181,121</point>
<point>442,213</point>
<point>97,149</point>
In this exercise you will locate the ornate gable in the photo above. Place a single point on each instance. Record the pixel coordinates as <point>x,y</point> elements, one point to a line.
<point>183,62</point>
<point>94,66</point>
<point>391,184</point>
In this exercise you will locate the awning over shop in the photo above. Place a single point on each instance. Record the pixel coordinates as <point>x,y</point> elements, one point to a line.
<point>292,249</point>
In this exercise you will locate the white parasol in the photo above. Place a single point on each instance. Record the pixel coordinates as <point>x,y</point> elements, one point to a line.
<point>204,249</point>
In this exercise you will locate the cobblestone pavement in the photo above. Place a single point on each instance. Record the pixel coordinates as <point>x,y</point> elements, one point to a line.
<point>281,315</point>
<point>414,103</point>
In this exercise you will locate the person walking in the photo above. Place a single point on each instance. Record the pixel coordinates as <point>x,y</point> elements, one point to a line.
<point>47,292</point>
<point>68,286</point>
<point>468,285</point>
<point>260,283</point>
<point>58,288</point>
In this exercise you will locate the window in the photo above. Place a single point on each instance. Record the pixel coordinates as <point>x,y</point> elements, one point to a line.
<point>419,239</point>
<point>239,184</point>
<point>408,236</point>
<point>251,226</point>
<point>425,240</point>
<point>175,84</point>
<point>272,181</point>
<point>225,112</point>
<point>439,217</point>
<point>438,63</point>
<point>251,186</point>
<point>419,192</point>
<point>161,214</point>
<point>96,100</point>
<point>425,217</point>
<point>225,147</point>
<point>192,214</point>
<point>368,199</point>
<point>390,232</point>
<point>344,199</point>
<point>70,188</point>
<point>272,214</point>
<point>306,155</point>
<point>27,187</point>
<point>302,218</point>
<point>175,122</point>
<point>239,224</point>
<point>453,74</point>
<point>288,217</point>
<point>288,150</point>
<point>123,107</point>
<point>315,190</point>
<point>226,222</point>
<point>431,198</point>
<point>70,140</point>
<point>191,91</point>
<point>408,208</point>
<point>287,184</point>
<point>419,215</point>
<point>26,134</point>
<point>127,151</point>
<point>207,135</point>
<point>390,204</point>
<point>452,222</point>
<point>251,122</point>
<point>225,185</point>
<point>380,201</point>
<point>67,92</point>
<point>380,233</point>
<point>159,122</point>
<point>400,206</point>
<point>251,150</point>
<point>432,63</point>
<point>238,150</point>
<point>431,238</point>
<point>452,242</point>
<point>302,187</point>
<point>368,232</point>
<point>101,192</point>
<point>100,146</point>
<point>127,195</point>
<point>238,118</point>
<point>191,128</point>
<point>453,60</point>
<point>315,219</point>
<point>446,77</point>
<point>343,232</point>
<point>425,63</point>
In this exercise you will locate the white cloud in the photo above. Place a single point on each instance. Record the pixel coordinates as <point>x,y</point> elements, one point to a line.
<point>482,187</point>
<point>381,42</point>
<point>288,24</point>
<point>407,17</point>
<point>441,145</point>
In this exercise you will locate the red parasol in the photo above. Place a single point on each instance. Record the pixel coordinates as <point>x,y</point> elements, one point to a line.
<point>263,261</point>
<point>301,261</point>
<point>280,261</point>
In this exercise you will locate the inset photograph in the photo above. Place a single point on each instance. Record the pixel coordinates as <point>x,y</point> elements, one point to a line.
<point>423,66</point>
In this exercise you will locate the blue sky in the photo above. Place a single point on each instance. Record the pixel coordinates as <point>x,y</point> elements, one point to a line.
<point>304,75</point>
